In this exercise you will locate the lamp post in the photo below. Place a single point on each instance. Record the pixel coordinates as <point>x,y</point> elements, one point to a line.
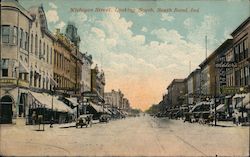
<point>52,105</point>
<point>241,91</point>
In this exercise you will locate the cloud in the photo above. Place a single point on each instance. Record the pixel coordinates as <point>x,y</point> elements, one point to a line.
<point>188,22</point>
<point>52,5</point>
<point>144,29</point>
<point>207,27</point>
<point>60,25</point>
<point>141,70</point>
<point>167,35</point>
<point>166,17</point>
<point>52,16</point>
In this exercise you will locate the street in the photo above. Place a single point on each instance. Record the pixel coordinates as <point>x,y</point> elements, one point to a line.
<point>137,136</point>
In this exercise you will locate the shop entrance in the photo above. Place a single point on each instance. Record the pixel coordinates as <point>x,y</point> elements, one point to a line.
<point>6,110</point>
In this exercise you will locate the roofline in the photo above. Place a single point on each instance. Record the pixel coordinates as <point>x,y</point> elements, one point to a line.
<point>240,26</point>
<point>216,51</point>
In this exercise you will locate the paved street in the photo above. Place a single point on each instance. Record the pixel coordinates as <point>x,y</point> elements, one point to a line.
<point>139,136</point>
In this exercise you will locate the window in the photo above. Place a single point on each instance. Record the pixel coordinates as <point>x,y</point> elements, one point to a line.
<point>44,48</point>
<point>36,47</point>
<point>236,53</point>
<point>31,44</point>
<point>55,58</point>
<point>47,54</point>
<point>246,75</point>
<point>50,55</point>
<point>5,72</point>
<point>245,45</point>
<point>40,48</point>
<point>5,34</point>
<point>26,43</point>
<point>14,35</point>
<point>21,38</point>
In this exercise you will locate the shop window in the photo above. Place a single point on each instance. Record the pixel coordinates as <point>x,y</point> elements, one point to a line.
<point>5,34</point>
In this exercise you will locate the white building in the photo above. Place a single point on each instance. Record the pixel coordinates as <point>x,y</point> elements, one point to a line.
<point>14,82</point>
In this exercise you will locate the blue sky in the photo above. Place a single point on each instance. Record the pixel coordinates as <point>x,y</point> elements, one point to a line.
<point>141,52</point>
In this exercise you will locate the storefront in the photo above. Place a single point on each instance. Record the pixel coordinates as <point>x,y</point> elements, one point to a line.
<point>49,107</point>
<point>241,107</point>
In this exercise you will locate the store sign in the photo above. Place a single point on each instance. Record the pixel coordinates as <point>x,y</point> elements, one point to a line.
<point>226,65</point>
<point>233,90</point>
<point>23,83</point>
<point>89,94</point>
<point>7,81</point>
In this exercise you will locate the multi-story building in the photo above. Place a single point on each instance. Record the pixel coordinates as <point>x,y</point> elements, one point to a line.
<point>241,54</point>
<point>16,24</point>
<point>71,33</point>
<point>86,72</point>
<point>41,51</point>
<point>98,83</point>
<point>64,66</point>
<point>213,77</point>
<point>114,98</point>
<point>193,87</point>
<point>176,91</point>
<point>125,104</point>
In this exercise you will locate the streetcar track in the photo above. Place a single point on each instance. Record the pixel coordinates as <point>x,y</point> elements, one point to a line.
<point>189,144</point>
<point>48,145</point>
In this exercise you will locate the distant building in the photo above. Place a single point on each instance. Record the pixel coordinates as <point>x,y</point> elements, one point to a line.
<point>193,87</point>
<point>114,99</point>
<point>86,72</point>
<point>176,91</point>
<point>98,83</point>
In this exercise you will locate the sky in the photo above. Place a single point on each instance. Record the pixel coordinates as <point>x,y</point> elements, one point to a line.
<point>143,45</point>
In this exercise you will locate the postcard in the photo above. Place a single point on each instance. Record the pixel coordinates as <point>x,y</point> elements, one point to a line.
<point>125,78</point>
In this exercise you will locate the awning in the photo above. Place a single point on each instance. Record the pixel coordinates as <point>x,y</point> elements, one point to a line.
<point>221,108</point>
<point>239,96</point>
<point>228,96</point>
<point>96,107</point>
<point>107,111</point>
<point>245,98</point>
<point>52,81</point>
<point>46,100</point>
<point>73,101</point>
<point>23,68</point>
<point>248,106</point>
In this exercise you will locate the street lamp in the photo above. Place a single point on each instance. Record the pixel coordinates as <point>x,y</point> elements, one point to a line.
<point>241,91</point>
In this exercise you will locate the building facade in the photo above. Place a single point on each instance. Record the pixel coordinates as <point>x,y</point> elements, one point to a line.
<point>64,66</point>
<point>176,90</point>
<point>86,72</point>
<point>41,51</point>
<point>14,82</point>
<point>241,54</point>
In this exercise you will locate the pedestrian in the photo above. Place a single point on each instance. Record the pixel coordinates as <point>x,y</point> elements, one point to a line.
<point>51,122</point>
<point>34,118</point>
